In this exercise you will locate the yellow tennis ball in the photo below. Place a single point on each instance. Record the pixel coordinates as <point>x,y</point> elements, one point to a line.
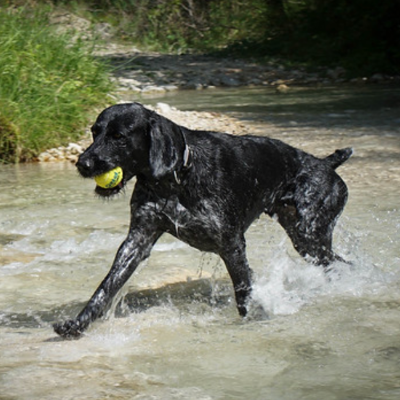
<point>109,179</point>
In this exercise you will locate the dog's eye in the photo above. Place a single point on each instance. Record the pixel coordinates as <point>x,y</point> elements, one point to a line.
<point>94,133</point>
<point>117,135</point>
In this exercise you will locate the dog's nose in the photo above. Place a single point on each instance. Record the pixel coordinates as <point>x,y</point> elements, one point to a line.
<point>84,165</point>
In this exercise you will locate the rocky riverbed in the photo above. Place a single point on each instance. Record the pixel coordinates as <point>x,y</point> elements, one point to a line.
<point>190,119</point>
<point>149,72</point>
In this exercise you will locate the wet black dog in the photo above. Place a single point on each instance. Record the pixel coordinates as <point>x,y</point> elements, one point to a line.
<point>206,188</point>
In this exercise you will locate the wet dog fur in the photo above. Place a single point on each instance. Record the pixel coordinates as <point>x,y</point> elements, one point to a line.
<point>206,188</point>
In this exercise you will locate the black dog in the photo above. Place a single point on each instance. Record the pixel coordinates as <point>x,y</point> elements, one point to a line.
<point>206,188</point>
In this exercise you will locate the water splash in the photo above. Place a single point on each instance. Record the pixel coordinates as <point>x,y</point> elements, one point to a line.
<point>287,283</point>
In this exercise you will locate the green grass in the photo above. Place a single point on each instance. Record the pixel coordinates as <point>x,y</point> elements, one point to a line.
<point>49,85</point>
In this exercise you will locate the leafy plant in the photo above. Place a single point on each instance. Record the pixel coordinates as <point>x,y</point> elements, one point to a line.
<point>48,84</point>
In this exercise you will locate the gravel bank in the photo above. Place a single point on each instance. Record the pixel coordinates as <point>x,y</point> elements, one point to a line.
<point>190,119</point>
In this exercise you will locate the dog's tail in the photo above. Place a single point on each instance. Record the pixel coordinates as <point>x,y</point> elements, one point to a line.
<point>339,157</point>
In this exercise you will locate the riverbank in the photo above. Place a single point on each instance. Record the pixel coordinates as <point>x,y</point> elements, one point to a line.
<point>139,74</point>
<point>190,119</point>
<point>150,72</point>
<point>142,76</point>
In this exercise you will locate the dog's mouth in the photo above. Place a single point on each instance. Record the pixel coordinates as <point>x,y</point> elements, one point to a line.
<point>108,192</point>
<point>102,177</point>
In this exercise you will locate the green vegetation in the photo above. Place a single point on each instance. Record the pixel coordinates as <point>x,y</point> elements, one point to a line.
<point>48,84</point>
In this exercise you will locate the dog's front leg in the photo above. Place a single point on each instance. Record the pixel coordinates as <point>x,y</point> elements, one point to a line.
<point>133,250</point>
<point>236,263</point>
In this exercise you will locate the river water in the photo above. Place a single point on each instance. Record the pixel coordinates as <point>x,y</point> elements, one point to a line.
<point>331,338</point>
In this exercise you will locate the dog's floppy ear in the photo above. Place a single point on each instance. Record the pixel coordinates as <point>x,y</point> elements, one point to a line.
<point>166,146</point>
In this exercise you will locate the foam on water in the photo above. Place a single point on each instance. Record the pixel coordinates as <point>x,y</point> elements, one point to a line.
<point>286,282</point>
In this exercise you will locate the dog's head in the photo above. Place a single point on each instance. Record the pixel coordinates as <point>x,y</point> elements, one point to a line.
<point>137,140</point>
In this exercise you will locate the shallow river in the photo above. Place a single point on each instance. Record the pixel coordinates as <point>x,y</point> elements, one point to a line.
<point>330,338</point>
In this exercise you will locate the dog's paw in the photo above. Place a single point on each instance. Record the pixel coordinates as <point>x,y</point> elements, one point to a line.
<point>256,312</point>
<point>69,329</point>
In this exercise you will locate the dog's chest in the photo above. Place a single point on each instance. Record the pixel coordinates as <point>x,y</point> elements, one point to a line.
<point>200,225</point>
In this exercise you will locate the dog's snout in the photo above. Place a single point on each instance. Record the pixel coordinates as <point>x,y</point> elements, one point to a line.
<point>84,165</point>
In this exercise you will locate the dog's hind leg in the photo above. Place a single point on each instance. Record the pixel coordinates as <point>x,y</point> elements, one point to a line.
<point>309,216</point>
<point>311,239</point>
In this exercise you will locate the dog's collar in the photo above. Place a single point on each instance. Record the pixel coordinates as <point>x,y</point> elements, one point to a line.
<point>186,159</point>
<point>186,156</point>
